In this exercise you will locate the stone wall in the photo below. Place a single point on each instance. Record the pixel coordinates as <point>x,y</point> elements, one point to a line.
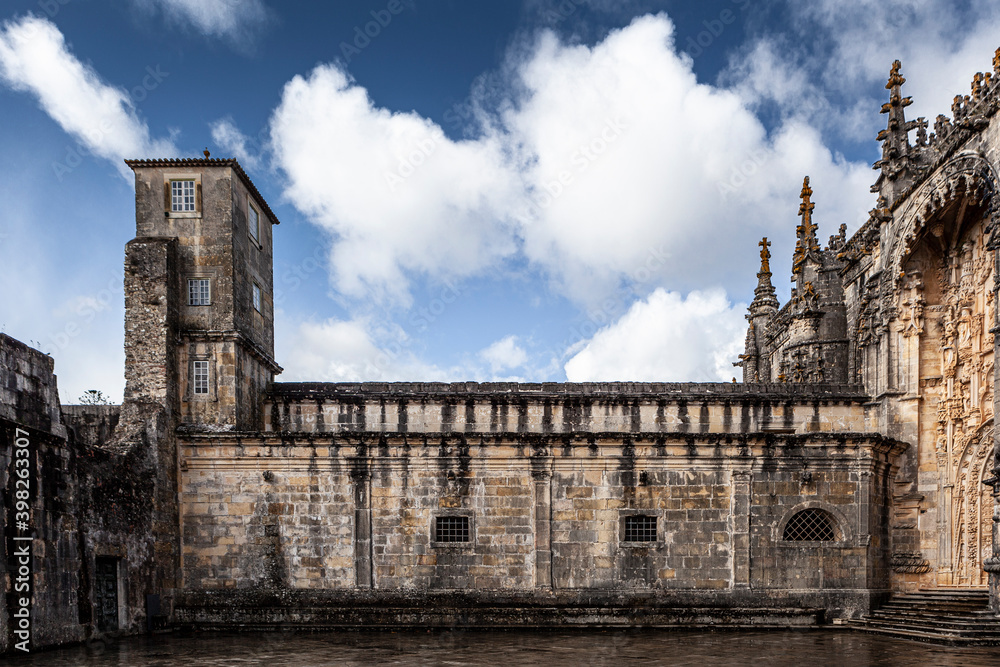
<point>343,500</point>
<point>29,412</point>
<point>612,407</point>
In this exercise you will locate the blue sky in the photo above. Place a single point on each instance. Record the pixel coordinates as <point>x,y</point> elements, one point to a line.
<point>530,190</point>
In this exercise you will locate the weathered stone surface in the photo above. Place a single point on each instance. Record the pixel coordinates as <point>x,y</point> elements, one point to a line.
<point>856,460</point>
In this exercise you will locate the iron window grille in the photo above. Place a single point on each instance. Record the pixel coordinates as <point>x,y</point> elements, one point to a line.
<point>810,525</point>
<point>640,528</point>
<point>200,377</point>
<point>452,529</point>
<point>199,292</point>
<point>182,197</point>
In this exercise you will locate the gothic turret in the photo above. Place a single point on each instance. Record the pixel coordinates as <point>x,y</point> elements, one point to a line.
<point>763,308</point>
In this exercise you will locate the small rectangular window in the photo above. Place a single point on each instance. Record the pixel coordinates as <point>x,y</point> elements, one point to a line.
<point>199,293</point>
<point>256,297</point>
<point>451,529</point>
<point>182,196</point>
<point>640,528</point>
<point>253,220</point>
<point>200,373</point>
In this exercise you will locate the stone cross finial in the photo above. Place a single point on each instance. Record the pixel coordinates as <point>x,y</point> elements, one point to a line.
<point>806,232</point>
<point>895,78</point>
<point>765,255</point>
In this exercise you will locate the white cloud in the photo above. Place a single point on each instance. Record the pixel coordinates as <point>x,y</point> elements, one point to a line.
<point>34,58</point>
<point>836,82</point>
<point>604,158</point>
<point>399,197</point>
<point>666,338</point>
<point>656,160</point>
<point>236,20</point>
<point>353,350</point>
<point>505,354</point>
<point>229,138</point>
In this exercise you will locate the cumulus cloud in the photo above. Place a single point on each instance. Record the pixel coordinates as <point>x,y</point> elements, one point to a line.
<point>34,58</point>
<point>235,21</point>
<point>594,159</point>
<point>230,139</point>
<point>831,59</point>
<point>505,354</point>
<point>666,338</point>
<point>397,195</point>
<point>354,350</point>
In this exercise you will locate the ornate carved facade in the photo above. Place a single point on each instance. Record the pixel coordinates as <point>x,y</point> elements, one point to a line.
<point>907,308</point>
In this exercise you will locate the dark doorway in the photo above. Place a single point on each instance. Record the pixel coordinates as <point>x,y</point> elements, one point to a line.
<point>106,594</point>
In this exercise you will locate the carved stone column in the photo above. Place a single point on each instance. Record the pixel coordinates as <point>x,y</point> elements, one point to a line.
<point>992,564</point>
<point>362,482</point>
<point>741,528</point>
<point>541,474</point>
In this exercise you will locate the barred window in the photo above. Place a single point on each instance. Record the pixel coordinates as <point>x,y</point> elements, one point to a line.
<point>199,293</point>
<point>256,297</point>
<point>253,220</point>
<point>451,529</point>
<point>200,376</point>
<point>182,196</point>
<point>640,528</point>
<point>810,525</point>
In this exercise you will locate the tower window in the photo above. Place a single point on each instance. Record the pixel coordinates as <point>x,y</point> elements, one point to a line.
<point>452,529</point>
<point>253,221</point>
<point>640,528</point>
<point>182,197</point>
<point>256,297</point>
<point>199,372</point>
<point>810,525</point>
<point>199,292</point>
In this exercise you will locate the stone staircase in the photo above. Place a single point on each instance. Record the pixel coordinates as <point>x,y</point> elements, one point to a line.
<point>960,617</point>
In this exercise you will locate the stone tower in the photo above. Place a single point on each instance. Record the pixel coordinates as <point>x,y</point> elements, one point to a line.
<point>199,322</point>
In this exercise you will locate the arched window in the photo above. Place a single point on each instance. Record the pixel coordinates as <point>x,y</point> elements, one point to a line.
<point>810,525</point>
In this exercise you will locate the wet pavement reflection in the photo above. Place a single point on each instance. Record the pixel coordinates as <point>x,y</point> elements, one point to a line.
<point>612,648</point>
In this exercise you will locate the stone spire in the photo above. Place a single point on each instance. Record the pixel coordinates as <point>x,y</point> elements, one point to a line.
<point>896,159</point>
<point>806,242</point>
<point>764,307</point>
<point>765,299</point>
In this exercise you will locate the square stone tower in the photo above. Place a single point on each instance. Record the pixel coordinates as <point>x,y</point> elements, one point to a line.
<point>199,320</point>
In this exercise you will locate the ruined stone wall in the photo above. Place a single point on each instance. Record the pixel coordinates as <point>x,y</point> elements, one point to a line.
<point>29,411</point>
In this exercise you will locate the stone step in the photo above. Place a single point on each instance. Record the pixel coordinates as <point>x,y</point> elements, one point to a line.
<point>936,611</point>
<point>932,637</point>
<point>956,616</point>
<point>970,629</point>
